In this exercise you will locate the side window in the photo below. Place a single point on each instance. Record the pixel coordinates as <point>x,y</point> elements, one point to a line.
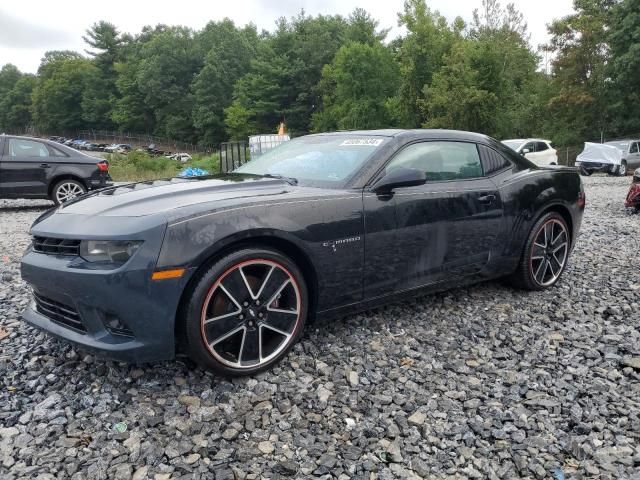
<point>492,161</point>
<point>541,146</point>
<point>531,146</point>
<point>634,148</point>
<point>440,160</point>
<point>19,147</point>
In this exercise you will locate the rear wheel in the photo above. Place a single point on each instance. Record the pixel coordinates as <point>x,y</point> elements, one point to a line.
<point>66,190</point>
<point>246,312</point>
<point>545,254</point>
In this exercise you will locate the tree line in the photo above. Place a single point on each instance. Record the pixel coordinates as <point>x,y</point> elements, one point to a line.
<point>331,72</point>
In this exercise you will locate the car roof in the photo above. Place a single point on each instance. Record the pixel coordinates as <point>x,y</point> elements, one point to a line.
<point>418,132</point>
<point>26,137</point>
<point>526,140</point>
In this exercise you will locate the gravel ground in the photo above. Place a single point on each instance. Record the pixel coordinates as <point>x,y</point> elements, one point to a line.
<point>482,382</point>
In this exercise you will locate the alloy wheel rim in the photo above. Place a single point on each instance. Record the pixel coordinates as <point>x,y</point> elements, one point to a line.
<point>68,191</point>
<point>251,313</point>
<point>623,169</point>
<point>549,252</point>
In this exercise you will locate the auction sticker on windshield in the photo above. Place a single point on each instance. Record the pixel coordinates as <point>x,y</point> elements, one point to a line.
<point>368,142</point>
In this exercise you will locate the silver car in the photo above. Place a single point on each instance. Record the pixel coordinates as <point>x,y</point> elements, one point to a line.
<point>630,154</point>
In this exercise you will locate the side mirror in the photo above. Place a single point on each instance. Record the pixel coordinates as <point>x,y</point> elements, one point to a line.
<point>400,177</point>
<point>524,151</point>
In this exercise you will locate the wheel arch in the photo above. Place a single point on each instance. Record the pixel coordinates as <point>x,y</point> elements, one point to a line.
<point>64,176</point>
<point>561,210</point>
<point>254,239</point>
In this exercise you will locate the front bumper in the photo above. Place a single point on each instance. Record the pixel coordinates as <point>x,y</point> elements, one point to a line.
<point>597,167</point>
<point>120,314</point>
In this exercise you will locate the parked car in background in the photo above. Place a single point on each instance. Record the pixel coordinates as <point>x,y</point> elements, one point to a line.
<point>118,148</point>
<point>124,148</point>
<point>537,150</point>
<point>37,168</point>
<point>615,157</point>
<point>228,267</point>
<point>181,157</point>
<point>633,197</point>
<point>630,150</point>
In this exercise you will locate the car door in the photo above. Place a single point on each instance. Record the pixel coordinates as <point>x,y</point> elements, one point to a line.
<point>545,154</point>
<point>634,155</point>
<point>531,153</point>
<point>23,167</point>
<point>434,232</point>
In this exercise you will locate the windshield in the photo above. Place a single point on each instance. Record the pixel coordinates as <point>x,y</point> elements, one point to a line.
<point>513,144</point>
<point>619,145</point>
<point>318,161</point>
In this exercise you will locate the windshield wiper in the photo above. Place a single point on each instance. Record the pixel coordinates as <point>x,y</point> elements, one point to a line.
<point>289,180</point>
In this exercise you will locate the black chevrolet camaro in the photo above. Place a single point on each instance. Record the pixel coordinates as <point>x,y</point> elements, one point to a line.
<point>228,268</point>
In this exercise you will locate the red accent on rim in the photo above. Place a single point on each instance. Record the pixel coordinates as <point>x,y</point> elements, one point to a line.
<point>533,245</point>
<point>218,282</point>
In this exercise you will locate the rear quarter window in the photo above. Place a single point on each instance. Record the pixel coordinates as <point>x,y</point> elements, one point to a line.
<point>492,161</point>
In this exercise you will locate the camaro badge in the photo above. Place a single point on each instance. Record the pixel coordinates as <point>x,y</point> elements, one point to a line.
<point>334,243</point>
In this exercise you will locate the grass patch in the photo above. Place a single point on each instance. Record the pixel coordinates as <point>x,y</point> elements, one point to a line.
<point>140,166</point>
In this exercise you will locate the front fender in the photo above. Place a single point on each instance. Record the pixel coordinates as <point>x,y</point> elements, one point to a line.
<point>190,242</point>
<point>328,233</point>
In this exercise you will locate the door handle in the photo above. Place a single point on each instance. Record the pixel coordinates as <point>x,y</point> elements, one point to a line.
<point>486,199</point>
<point>45,165</point>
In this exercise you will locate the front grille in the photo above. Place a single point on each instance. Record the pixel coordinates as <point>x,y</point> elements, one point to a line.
<point>59,313</point>
<point>56,246</point>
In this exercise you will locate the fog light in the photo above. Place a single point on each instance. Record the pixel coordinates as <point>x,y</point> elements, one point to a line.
<point>117,326</point>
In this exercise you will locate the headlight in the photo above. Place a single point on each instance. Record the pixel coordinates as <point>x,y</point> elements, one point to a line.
<point>108,251</point>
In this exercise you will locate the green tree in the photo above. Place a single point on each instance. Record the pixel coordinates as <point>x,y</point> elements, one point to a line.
<point>168,64</point>
<point>100,93</point>
<point>506,67</point>
<point>57,97</point>
<point>9,75</point>
<point>284,80</point>
<point>579,107</point>
<point>15,105</point>
<point>357,87</point>
<point>230,51</point>
<point>454,99</point>
<point>154,82</point>
<point>420,54</point>
<point>624,42</point>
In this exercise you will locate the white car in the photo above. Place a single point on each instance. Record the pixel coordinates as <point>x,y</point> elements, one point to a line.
<point>614,158</point>
<point>537,150</point>
<point>182,157</point>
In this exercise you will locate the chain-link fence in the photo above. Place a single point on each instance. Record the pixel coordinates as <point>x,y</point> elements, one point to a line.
<point>168,145</point>
<point>136,140</point>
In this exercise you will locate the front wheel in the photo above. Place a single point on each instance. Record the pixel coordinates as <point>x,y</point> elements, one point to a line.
<point>246,312</point>
<point>622,169</point>
<point>66,190</point>
<point>545,253</point>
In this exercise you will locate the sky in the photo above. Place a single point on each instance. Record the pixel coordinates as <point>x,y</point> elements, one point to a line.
<point>30,28</point>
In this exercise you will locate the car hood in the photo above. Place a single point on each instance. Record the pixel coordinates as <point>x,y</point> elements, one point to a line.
<point>162,196</point>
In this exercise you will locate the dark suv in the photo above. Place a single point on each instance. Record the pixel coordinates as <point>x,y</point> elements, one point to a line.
<point>38,168</point>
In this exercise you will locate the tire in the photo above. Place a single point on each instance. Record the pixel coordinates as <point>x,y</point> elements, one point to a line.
<point>622,169</point>
<point>66,190</point>
<point>245,312</point>
<point>536,268</point>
